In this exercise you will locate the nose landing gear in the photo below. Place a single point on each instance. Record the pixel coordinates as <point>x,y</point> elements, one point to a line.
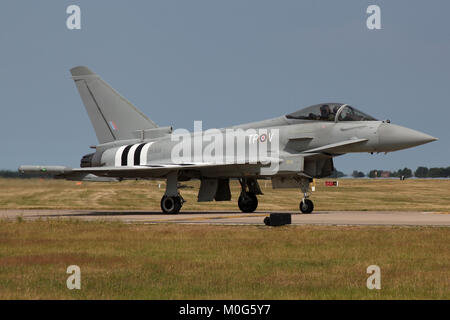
<point>306,205</point>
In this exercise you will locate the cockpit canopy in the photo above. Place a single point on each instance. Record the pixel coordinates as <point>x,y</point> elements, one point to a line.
<point>328,111</point>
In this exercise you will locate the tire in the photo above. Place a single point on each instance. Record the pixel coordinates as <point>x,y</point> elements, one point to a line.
<point>306,206</point>
<point>248,203</point>
<point>267,221</point>
<point>170,205</point>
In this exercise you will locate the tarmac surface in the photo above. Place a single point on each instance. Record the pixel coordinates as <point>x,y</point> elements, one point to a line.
<point>381,218</point>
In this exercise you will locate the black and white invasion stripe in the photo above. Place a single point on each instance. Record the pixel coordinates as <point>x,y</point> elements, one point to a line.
<point>132,155</point>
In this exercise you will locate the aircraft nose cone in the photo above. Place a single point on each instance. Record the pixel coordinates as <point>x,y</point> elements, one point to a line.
<point>393,137</point>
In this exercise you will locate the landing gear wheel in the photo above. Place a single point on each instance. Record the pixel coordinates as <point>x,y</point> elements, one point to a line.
<point>306,206</point>
<point>248,202</point>
<point>171,205</point>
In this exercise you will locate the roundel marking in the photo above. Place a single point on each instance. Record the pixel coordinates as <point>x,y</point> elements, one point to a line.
<point>263,137</point>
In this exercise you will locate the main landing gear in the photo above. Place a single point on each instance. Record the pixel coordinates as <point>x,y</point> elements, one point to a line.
<point>172,201</point>
<point>171,205</point>
<point>248,202</point>
<point>306,205</point>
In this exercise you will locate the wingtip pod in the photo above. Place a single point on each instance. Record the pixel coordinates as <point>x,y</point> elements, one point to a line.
<point>81,71</point>
<point>44,169</point>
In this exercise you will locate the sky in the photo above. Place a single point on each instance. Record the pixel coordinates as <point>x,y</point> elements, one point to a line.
<point>225,63</point>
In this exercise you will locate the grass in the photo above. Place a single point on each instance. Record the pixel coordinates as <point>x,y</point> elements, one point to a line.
<point>120,261</point>
<point>352,194</point>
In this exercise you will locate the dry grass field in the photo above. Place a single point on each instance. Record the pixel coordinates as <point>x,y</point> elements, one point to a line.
<point>164,261</point>
<point>122,261</point>
<point>352,194</point>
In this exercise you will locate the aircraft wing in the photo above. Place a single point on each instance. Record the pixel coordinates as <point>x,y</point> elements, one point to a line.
<point>334,147</point>
<point>61,172</point>
<point>163,168</point>
<point>150,170</point>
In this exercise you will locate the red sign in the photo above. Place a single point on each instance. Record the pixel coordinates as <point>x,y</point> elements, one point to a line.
<point>331,183</point>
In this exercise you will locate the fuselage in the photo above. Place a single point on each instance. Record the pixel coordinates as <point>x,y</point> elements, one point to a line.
<point>296,139</point>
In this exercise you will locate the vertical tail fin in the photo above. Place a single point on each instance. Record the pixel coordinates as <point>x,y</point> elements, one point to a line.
<point>113,117</point>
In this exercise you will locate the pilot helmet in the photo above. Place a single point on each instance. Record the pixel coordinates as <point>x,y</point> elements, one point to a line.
<point>336,108</point>
<point>325,110</point>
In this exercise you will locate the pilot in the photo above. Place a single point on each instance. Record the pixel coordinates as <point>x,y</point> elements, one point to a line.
<point>350,115</point>
<point>325,112</point>
<point>334,112</point>
<point>336,109</point>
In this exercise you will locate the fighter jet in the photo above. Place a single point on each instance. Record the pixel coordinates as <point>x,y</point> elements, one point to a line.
<point>290,150</point>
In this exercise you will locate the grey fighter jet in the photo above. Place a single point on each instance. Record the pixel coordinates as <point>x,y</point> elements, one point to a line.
<point>131,146</point>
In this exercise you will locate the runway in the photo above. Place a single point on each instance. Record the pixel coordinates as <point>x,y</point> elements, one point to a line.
<point>339,218</point>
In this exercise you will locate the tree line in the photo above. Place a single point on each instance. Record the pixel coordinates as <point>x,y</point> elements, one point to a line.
<point>421,172</point>
<point>15,174</point>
